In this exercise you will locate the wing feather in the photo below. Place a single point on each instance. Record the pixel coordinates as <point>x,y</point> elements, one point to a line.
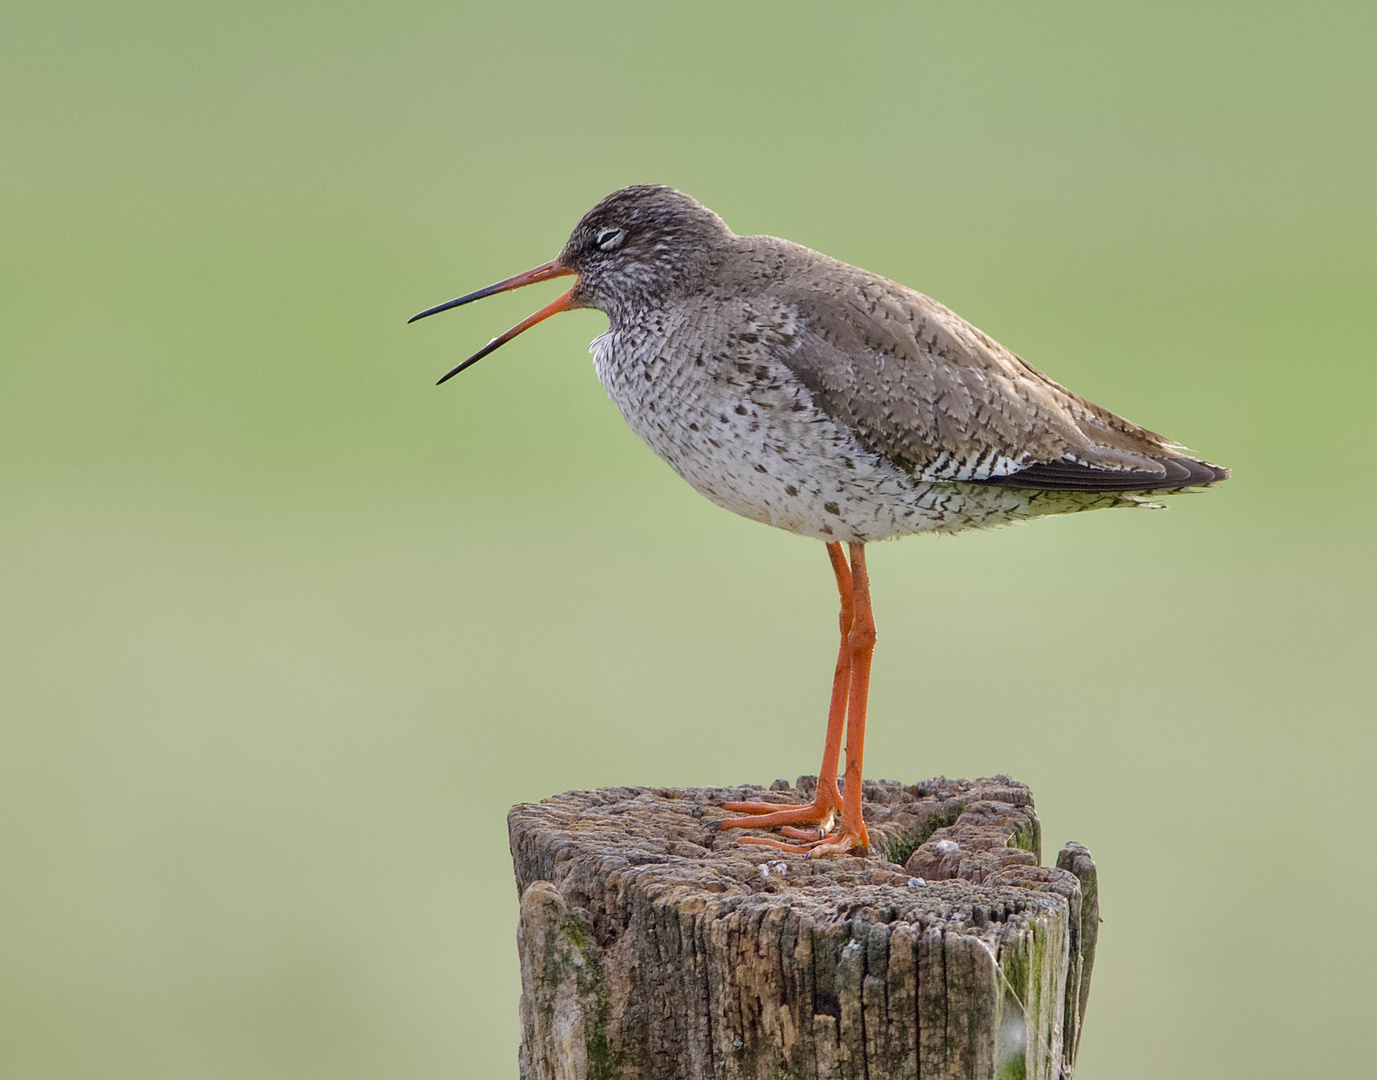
<point>932,393</point>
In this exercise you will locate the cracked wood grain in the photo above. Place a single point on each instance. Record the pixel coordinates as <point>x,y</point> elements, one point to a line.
<point>655,948</point>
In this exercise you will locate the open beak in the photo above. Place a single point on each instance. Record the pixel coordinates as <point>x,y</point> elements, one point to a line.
<point>544,272</point>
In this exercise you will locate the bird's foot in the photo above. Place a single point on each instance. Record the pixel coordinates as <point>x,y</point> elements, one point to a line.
<point>823,838</point>
<point>821,812</point>
<point>842,842</point>
<point>807,834</point>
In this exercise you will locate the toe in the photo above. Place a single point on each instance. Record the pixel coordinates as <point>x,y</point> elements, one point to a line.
<point>842,843</point>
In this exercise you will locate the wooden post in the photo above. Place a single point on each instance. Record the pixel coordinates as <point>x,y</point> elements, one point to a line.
<point>655,948</point>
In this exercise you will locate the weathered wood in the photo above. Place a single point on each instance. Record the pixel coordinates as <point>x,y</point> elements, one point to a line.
<point>655,948</point>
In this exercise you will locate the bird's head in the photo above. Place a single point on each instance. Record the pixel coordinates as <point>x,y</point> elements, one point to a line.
<point>638,247</point>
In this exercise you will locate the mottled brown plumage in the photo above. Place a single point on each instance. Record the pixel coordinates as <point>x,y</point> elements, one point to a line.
<point>940,398</point>
<point>826,400</point>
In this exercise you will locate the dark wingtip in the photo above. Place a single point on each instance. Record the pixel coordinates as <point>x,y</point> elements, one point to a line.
<point>1178,473</point>
<point>1200,473</point>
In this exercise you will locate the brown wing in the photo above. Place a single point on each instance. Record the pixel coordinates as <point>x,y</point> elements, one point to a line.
<point>929,391</point>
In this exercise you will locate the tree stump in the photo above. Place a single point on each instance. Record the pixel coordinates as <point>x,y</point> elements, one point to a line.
<point>655,948</point>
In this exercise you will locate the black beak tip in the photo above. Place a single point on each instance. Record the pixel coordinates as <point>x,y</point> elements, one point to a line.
<point>446,306</point>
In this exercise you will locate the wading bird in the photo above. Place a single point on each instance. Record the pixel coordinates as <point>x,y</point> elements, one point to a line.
<point>817,397</point>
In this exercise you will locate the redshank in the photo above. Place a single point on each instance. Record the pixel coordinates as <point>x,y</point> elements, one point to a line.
<point>820,398</point>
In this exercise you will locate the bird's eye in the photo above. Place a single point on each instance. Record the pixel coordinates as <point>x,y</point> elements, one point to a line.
<point>610,239</point>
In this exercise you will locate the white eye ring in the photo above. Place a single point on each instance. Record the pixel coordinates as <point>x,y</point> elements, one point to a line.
<point>610,239</point>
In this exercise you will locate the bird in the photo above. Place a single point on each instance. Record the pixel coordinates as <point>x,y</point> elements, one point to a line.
<point>820,398</point>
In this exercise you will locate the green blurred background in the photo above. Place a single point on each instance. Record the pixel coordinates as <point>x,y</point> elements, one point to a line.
<point>284,629</point>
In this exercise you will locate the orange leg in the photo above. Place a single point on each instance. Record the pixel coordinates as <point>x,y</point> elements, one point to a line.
<point>850,692</point>
<point>827,802</point>
<point>852,833</point>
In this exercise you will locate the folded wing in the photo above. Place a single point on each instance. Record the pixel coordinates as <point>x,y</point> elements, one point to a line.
<point>930,392</point>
